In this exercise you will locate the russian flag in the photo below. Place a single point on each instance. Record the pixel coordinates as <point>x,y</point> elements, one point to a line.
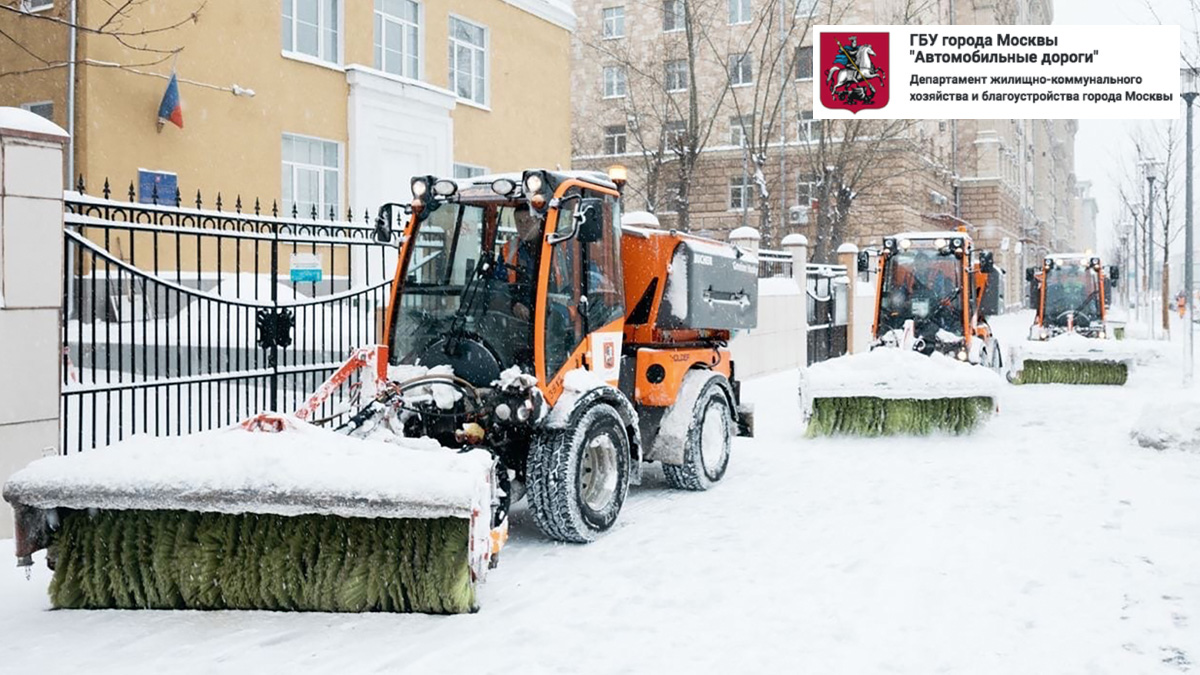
<point>170,109</point>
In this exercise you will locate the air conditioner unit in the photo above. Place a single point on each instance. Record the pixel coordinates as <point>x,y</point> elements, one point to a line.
<point>797,215</point>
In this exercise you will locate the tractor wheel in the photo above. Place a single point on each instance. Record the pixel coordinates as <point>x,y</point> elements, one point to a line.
<point>577,477</point>
<point>709,438</point>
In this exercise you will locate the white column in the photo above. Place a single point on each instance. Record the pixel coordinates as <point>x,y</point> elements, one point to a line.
<point>848,256</point>
<point>797,246</point>
<point>745,238</point>
<point>31,274</point>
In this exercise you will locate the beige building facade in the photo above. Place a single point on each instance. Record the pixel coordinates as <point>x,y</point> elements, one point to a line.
<point>325,104</point>
<point>1010,181</point>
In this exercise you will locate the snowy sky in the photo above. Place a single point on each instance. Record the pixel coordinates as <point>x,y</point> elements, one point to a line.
<point>1102,147</point>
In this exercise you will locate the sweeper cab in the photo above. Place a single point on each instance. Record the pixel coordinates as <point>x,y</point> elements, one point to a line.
<point>569,347</point>
<point>930,297</point>
<point>1071,292</point>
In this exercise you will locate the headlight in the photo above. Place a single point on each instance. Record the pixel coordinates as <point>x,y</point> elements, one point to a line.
<point>533,183</point>
<point>939,243</point>
<point>419,187</point>
<point>445,188</point>
<point>503,412</point>
<point>962,355</point>
<point>905,244</point>
<point>958,242</point>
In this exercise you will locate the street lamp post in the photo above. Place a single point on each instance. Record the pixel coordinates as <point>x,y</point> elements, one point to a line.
<point>1189,80</point>
<point>1150,166</point>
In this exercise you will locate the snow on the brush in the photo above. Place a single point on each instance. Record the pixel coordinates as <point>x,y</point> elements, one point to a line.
<point>676,292</point>
<point>895,373</point>
<point>302,469</point>
<point>1075,347</point>
<point>1169,425</point>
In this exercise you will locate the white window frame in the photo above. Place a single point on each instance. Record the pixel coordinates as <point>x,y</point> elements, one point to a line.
<point>323,203</point>
<point>381,54</point>
<point>740,63</point>
<point>610,132</point>
<point>606,24</point>
<point>740,12</point>
<point>737,130</point>
<point>320,57</point>
<point>807,74</point>
<point>806,190</point>
<point>806,7</point>
<point>681,75</point>
<point>674,129</point>
<point>679,18</point>
<point>34,6</point>
<point>614,76</point>
<point>462,171</point>
<point>809,129</point>
<point>33,104</point>
<point>742,184</point>
<point>487,64</point>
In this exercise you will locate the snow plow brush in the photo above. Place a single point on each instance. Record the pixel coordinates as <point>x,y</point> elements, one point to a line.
<point>892,391</point>
<point>297,518</point>
<point>1071,358</point>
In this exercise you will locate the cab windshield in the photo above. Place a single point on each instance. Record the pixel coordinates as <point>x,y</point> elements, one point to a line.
<point>1072,292</point>
<point>470,273</point>
<point>924,285</point>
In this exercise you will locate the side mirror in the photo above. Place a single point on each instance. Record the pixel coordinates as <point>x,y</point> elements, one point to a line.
<point>383,225</point>
<point>864,261</point>
<point>589,220</point>
<point>987,263</point>
<point>1114,273</point>
<point>1029,272</point>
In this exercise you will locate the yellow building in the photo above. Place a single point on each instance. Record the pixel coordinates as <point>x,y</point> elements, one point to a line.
<point>325,103</point>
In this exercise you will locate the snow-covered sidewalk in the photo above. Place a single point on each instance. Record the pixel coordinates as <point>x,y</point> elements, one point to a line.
<point>1046,542</point>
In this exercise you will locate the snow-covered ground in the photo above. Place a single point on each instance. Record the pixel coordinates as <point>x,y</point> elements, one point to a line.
<point>1047,542</point>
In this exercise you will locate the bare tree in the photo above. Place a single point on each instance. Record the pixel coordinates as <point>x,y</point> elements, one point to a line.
<point>120,22</point>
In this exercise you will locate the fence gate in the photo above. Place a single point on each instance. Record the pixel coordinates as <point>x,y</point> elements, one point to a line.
<point>177,320</point>
<point>827,300</point>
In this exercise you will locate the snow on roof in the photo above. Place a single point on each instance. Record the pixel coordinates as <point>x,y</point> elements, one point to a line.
<point>598,177</point>
<point>933,234</point>
<point>639,218</point>
<point>19,119</point>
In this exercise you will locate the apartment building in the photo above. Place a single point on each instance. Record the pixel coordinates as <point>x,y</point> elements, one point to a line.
<point>1010,181</point>
<point>320,104</point>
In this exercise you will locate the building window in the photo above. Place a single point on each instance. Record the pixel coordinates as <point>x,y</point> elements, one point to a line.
<point>810,129</point>
<point>312,176</point>
<point>398,37</point>
<point>739,193</point>
<point>614,140</point>
<point>739,11</point>
<point>36,5</point>
<point>807,191</point>
<point>806,7</point>
<point>614,82</point>
<point>41,109</point>
<point>671,198</point>
<point>614,22</point>
<point>311,27</point>
<point>804,63</point>
<point>469,171</point>
<point>673,17</point>
<point>741,69</point>
<point>468,60</point>
<point>676,75</point>
<point>739,130</point>
<point>675,132</point>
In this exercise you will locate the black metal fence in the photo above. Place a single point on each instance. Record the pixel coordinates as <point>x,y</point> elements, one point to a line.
<point>181,319</point>
<point>827,300</point>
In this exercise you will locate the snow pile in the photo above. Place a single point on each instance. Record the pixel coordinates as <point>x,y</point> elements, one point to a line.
<point>895,374</point>
<point>576,383</point>
<point>443,395</point>
<point>1075,347</point>
<point>676,293</point>
<point>303,469</point>
<point>1169,425</point>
